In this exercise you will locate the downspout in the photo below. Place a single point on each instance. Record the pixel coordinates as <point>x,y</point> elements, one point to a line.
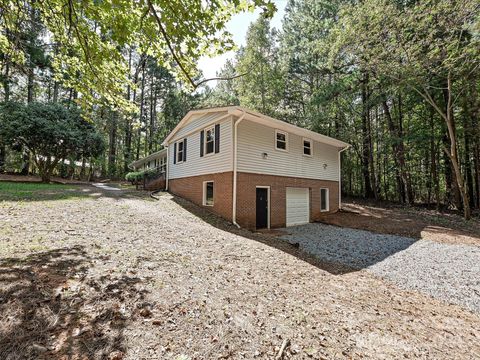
<point>235,143</point>
<point>167,170</point>
<point>340,176</point>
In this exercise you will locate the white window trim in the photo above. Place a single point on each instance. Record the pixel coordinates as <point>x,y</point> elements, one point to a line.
<point>327,200</point>
<point>204,197</point>
<point>210,127</point>
<point>311,147</point>
<point>286,140</point>
<point>183,151</point>
<point>268,201</point>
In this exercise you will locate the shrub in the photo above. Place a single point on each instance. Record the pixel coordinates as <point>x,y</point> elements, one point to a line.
<point>134,177</point>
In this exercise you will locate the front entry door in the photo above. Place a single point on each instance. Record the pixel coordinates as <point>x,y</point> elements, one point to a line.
<point>262,208</point>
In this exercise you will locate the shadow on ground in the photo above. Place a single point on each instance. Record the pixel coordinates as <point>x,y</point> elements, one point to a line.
<point>271,238</point>
<point>51,309</point>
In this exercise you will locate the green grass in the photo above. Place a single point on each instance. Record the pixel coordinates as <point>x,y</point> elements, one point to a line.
<point>18,191</point>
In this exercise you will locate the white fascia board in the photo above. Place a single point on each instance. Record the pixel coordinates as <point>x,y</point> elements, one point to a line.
<point>187,118</point>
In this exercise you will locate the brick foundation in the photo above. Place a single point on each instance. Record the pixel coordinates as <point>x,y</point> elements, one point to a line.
<point>191,188</point>
<point>246,197</point>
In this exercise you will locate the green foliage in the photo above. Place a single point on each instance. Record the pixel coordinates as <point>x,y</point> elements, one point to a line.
<point>89,37</point>
<point>51,132</point>
<point>134,176</point>
<point>259,88</point>
<point>138,176</point>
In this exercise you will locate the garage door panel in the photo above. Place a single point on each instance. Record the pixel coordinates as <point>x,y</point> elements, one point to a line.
<point>297,206</point>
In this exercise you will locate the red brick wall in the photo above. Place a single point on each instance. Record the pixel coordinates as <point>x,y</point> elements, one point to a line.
<point>191,188</point>
<point>246,197</point>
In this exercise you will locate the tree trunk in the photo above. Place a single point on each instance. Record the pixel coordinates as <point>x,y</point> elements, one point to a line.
<point>142,113</point>
<point>403,182</point>
<point>112,145</point>
<point>434,181</point>
<point>366,142</point>
<point>127,152</point>
<point>452,151</point>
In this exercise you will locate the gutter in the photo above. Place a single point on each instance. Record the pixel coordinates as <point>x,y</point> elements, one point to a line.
<point>340,176</point>
<point>235,143</point>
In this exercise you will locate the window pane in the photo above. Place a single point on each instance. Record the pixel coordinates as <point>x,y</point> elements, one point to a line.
<point>210,141</point>
<point>323,199</point>
<point>209,193</point>
<point>209,148</point>
<point>180,146</point>
<point>210,135</point>
<point>281,145</point>
<point>306,148</point>
<point>180,156</point>
<point>280,136</point>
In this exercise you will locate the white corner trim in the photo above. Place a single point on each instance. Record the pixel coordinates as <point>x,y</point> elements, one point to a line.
<point>235,160</point>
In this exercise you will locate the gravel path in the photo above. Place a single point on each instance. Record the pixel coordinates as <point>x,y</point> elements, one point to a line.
<point>447,272</point>
<point>117,275</point>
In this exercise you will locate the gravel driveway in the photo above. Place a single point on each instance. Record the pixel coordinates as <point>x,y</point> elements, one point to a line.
<point>447,272</point>
<point>101,274</point>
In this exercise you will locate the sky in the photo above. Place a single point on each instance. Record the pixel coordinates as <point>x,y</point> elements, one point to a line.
<point>238,26</point>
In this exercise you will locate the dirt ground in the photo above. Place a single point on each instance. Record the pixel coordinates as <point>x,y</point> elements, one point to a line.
<point>118,275</point>
<point>414,222</point>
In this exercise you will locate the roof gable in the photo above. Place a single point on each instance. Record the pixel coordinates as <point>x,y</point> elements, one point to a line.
<point>217,113</point>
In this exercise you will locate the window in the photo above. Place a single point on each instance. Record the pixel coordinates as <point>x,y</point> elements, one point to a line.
<point>307,147</point>
<point>324,203</point>
<point>180,151</point>
<point>210,140</point>
<point>281,139</point>
<point>208,193</point>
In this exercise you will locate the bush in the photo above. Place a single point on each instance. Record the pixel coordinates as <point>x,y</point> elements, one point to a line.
<point>134,177</point>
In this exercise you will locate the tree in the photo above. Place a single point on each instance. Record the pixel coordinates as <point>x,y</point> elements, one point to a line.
<point>90,35</point>
<point>427,47</point>
<point>51,132</point>
<point>258,87</point>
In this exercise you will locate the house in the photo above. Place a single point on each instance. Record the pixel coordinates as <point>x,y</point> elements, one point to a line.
<point>157,164</point>
<point>253,170</point>
<point>156,160</point>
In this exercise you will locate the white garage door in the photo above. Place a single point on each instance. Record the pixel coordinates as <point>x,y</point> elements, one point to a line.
<point>298,207</point>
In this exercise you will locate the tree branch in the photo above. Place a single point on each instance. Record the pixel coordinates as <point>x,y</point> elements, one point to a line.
<point>221,78</point>
<point>169,44</point>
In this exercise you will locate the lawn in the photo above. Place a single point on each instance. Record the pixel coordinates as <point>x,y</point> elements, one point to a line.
<point>125,277</point>
<point>31,191</point>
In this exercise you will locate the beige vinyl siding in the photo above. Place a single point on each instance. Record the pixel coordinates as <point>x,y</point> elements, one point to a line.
<point>208,164</point>
<point>197,122</point>
<point>255,139</point>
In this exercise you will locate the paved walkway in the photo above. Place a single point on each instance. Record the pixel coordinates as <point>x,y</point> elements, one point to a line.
<point>106,187</point>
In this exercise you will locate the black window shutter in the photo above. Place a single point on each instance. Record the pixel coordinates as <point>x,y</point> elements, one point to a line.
<point>202,135</point>
<point>185,149</point>
<point>217,138</point>
<point>175,153</point>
